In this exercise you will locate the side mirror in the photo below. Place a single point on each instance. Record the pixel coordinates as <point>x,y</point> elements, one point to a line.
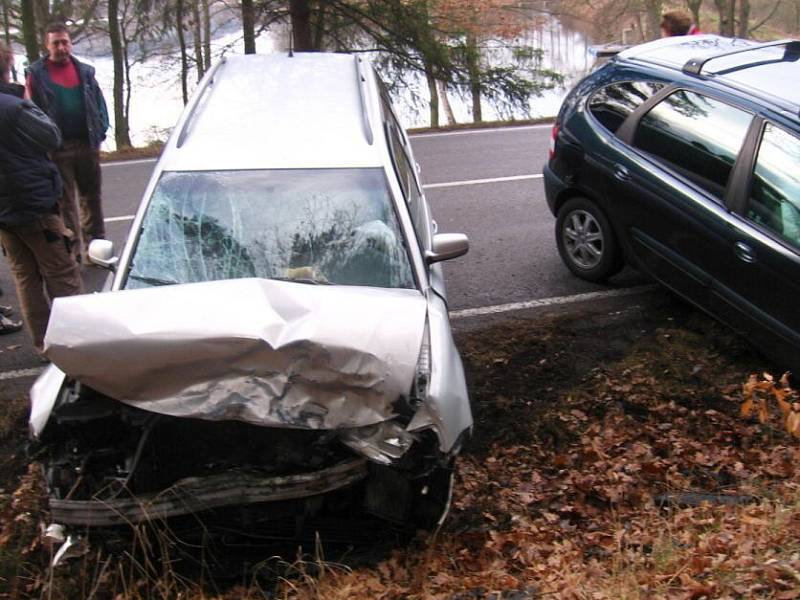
<point>447,246</point>
<point>101,253</point>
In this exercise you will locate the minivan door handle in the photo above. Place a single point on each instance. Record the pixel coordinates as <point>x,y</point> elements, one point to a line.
<point>744,252</point>
<point>621,173</point>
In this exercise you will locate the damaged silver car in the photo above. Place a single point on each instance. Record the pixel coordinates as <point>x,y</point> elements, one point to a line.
<point>275,331</point>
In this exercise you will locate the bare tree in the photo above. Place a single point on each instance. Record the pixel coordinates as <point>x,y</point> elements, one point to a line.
<point>206,36</point>
<point>121,133</point>
<point>197,34</point>
<point>29,30</point>
<point>694,7</point>
<point>179,24</point>
<point>742,26</point>
<point>249,26</point>
<point>300,12</point>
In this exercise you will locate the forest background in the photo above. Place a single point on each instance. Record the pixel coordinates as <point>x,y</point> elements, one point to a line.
<point>475,49</point>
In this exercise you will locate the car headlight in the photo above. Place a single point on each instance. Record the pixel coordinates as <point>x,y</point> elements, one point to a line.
<point>382,443</point>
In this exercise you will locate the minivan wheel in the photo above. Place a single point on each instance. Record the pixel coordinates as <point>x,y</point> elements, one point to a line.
<point>586,241</point>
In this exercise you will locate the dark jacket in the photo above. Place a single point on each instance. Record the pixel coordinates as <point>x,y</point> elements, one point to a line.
<point>44,97</point>
<point>29,181</point>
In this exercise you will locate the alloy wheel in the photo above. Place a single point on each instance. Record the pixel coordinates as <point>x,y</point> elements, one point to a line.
<point>583,239</point>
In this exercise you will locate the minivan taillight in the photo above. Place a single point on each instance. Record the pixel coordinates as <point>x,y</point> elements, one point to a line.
<point>551,151</point>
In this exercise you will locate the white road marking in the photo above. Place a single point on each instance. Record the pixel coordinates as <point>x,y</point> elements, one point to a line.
<point>124,163</point>
<point>456,314</point>
<point>18,374</point>
<point>509,129</point>
<point>427,187</point>
<point>555,301</point>
<point>480,181</point>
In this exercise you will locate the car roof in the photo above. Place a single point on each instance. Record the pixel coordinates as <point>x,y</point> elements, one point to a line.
<point>767,71</point>
<point>280,111</point>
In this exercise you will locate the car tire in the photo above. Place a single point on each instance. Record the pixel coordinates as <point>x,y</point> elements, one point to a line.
<point>586,241</point>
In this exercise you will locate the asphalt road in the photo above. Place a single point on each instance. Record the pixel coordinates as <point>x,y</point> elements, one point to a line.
<point>485,183</point>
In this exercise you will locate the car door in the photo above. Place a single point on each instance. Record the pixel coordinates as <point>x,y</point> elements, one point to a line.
<point>760,284</point>
<point>671,186</point>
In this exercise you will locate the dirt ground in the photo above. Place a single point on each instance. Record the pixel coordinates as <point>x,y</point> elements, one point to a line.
<point>609,459</point>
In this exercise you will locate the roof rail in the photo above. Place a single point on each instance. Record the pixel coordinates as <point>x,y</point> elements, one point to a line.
<point>362,94</point>
<point>694,66</point>
<point>205,84</point>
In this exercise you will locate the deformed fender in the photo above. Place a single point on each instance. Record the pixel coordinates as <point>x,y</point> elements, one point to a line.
<point>446,409</point>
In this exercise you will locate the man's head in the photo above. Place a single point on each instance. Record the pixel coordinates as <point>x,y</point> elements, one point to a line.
<point>6,62</point>
<point>675,22</point>
<point>57,42</point>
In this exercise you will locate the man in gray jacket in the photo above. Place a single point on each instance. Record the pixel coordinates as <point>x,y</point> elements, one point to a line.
<point>33,236</point>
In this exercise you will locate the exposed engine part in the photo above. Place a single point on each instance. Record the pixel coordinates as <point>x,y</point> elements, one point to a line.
<point>73,547</point>
<point>196,494</point>
<point>55,534</point>
<point>383,443</point>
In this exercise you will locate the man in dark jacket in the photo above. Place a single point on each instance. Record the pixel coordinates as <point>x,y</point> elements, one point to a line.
<point>66,89</point>
<point>32,233</point>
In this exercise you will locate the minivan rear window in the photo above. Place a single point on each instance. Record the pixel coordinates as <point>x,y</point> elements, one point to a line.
<point>612,104</point>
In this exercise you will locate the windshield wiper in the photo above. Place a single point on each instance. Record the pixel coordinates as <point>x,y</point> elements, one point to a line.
<point>307,280</point>
<point>152,280</point>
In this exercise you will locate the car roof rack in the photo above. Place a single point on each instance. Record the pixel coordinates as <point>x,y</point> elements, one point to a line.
<point>362,95</point>
<point>206,83</point>
<point>694,66</point>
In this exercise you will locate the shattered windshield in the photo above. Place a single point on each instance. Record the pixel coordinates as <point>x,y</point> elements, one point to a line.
<point>324,226</point>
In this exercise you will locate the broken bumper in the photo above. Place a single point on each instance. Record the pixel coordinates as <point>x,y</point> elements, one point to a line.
<point>194,494</point>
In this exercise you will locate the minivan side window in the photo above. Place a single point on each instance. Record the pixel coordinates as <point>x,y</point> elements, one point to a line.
<point>408,182</point>
<point>697,136</point>
<point>612,104</point>
<point>775,190</point>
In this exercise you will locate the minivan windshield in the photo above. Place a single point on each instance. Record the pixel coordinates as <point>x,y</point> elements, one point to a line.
<point>322,226</point>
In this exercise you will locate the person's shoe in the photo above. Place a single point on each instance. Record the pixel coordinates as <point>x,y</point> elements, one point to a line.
<point>6,310</point>
<point>9,326</point>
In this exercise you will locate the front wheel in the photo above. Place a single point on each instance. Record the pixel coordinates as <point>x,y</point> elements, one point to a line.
<point>586,242</point>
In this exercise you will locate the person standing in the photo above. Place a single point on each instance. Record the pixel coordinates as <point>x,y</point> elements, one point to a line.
<point>677,22</point>
<point>66,89</point>
<point>32,233</point>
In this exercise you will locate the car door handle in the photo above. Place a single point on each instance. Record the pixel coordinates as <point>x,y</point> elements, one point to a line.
<point>744,252</point>
<point>621,173</point>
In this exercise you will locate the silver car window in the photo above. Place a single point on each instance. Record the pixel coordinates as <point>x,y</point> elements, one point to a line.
<point>334,226</point>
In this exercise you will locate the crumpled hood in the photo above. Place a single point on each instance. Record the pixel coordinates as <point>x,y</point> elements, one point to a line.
<point>265,352</point>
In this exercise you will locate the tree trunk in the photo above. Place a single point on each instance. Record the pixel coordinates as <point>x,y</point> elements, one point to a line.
<point>121,135</point>
<point>198,40</point>
<point>434,97</point>
<point>653,10</point>
<point>474,70</point>
<point>206,36</point>
<point>742,28</point>
<point>182,44</point>
<point>7,34</point>
<point>726,9</point>
<point>249,26</point>
<point>319,27</point>
<point>300,12</point>
<point>448,110</point>
<point>29,31</point>
<point>42,10</point>
<point>694,7</point>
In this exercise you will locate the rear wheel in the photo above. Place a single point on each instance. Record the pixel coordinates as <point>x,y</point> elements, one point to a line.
<point>586,242</point>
